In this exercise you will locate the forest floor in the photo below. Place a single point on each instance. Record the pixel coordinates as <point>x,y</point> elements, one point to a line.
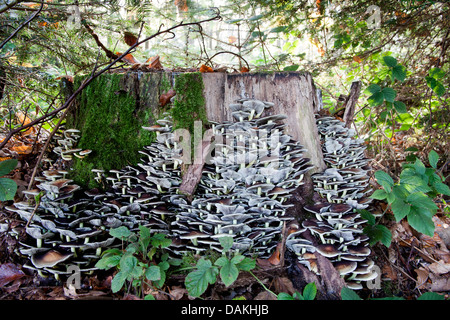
<point>412,265</point>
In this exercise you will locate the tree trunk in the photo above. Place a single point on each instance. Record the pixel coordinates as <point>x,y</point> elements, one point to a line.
<point>103,109</point>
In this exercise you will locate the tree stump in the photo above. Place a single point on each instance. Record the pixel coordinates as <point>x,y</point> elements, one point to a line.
<point>111,111</point>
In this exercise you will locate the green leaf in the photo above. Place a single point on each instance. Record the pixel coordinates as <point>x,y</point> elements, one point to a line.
<point>437,73</point>
<point>284,296</point>
<point>108,261</point>
<point>400,209</point>
<point>433,158</point>
<point>246,264</point>
<point>234,21</point>
<point>197,282</point>
<point>420,219</point>
<point>118,281</point>
<point>160,240</point>
<point>421,200</point>
<point>379,194</point>
<point>431,296</point>
<point>120,232</point>
<point>373,88</point>
<point>442,188</point>
<point>226,243</point>
<point>128,262</point>
<point>376,99</point>
<point>293,67</point>
<point>419,167</point>
<point>279,29</point>
<point>367,215</point>
<point>228,271</point>
<point>400,107</point>
<point>149,297</point>
<point>153,273</point>
<point>390,61</point>
<point>384,180</point>
<point>439,89</point>
<point>7,166</point>
<point>257,17</point>
<point>8,188</point>
<point>349,294</point>
<point>310,291</point>
<point>399,73</point>
<point>400,192</point>
<point>378,233</point>
<point>389,94</point>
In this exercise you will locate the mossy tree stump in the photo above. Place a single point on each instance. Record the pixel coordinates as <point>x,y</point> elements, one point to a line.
<point>111,111</point>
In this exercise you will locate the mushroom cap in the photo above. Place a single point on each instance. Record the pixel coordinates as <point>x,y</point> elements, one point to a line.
<point>49,258</point>
<point>328,250</point>
<point>345,267</point>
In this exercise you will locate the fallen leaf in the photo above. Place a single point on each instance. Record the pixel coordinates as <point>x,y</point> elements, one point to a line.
<point>205,69</point>
<point>283,284</point>
<point>357,59</point>
<point>9,272</point>
<point>265,295</point>
<point>129,38</point>
<point>422,277</point>
<point>244,69</point>
<point>439,267</point>
<point>274,259</point>
<point>165,97</point>
<point>128,58</point>
<point>154,63</point>
<point>178,292</point>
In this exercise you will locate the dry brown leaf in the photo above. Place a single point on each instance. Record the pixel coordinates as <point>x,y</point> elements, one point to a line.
<point>129,38</point>
<point>439,267</point>
<point>205,69</point>
<point>9,272</point>
<point>283,284</point>
<point>274,259</point>
<point>357,59</point>
<point>440,283</point>
<point>128,58</point>
<point>154,63</point>
<point>165,97</point>
<point>178,292</point>
<point>244,70</point>
<point>265,295</point>
<point>422,277</point>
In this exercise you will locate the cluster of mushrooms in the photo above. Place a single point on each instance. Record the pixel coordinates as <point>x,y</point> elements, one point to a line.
<point>242,194</point>
<point>336,225</point>
<point>244,185</point>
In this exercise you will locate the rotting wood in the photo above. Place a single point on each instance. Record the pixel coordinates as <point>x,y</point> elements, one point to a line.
<point>350,103</point>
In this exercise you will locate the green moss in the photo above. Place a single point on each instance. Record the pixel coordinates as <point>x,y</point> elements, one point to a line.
<point>189,104</point>
<point>110,122</point>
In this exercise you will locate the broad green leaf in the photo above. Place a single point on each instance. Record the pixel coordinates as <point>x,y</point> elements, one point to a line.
<point>378,233</point>
<point>420,219</point>
<point>349,294</point>
<point>399,191</point>
<point>118,281</point>
<point>7,166</point>
<point>390,61</point>
<point>442,188</point>
<point>8,188</point>
<point>228,271</point>
<point>400,209</point>
<point>379,194</point>
<point>153,273</point>
<point>226,243</point>
<point>376,99</point>
<point>439,89</point>
<point>294,67</point>
<point>431,296</point>
<point>149,297</point>
<point>160,240</point>
<point>414,184</point>
<point>310,291</point>
<point>197,281</point>
<point>433,158</point>
<point>367,215</point>
<point>121,232</point>
<point>421,200</point>
<point>279,29</point>
<point>285,296</point>
<point>128,262</point>
<point>373,88</point>
<point>399,73</point>
<point>437,73</point>
<point>400,107</point>
<point>384,180</point>
<point>234,21</point>
<point>389,94</point>
<point>246,264</point>
<point>107,262</point>
<point>419,166</point>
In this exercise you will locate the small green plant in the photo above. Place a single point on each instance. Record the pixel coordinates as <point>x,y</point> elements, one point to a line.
<point>142,263</point>
<point>8,187</point>
<point>412,197</point>
<point>227,266</point>
<point>309,293</point>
